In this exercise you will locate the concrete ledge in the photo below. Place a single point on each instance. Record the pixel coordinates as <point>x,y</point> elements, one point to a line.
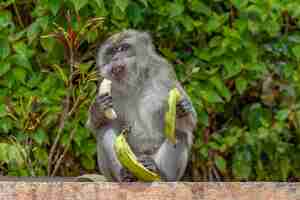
<point>153,191</point>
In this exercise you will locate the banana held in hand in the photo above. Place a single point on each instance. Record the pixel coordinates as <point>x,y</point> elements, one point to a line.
<point>105,88</point>
<point>170,116</point>
<point>130,162</point>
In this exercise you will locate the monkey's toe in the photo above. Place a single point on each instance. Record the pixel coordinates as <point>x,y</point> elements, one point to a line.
<point>183,107</point>
<point>126,176</point>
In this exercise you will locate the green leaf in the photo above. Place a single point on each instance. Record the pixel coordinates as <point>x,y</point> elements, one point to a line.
<point>241,84</point>
<point>134,13</point>
<point>40,155</point>
<point>220,163</point>
<point>210,96</point>
<point>199,7</point>
<point>240,3</point>
<point>20,60</point>
<point>144,2</point>
<point>15,154</point>
<point>285,167</point>
<point>175,9</point>
<point>5,18</point>
<point>282,115</point>
<point>84,67</point>
<point>203,118</point>
<point>33,31</point>
<point>4,48</point>
<point>257,116</point>
<point>213,23</point>
<point>54,6</point>
<point>20,74</point>
<point>122,4</point>
<point>3,110</point>
<point>296,51</point>
<point>89,147</point>
<point>3,152</point>
<point>40,136</point>
<point>232,69</point>
<point>78,4</point>
<point>242,163</point>
<point>4,67</point>
<point>48,43</point>
<point>88,163</point>
<point>100,3</point>
<point>221,87</point>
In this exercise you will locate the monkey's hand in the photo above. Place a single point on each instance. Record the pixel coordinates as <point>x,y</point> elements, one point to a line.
<point>183,108</point>
<point>97,110</point>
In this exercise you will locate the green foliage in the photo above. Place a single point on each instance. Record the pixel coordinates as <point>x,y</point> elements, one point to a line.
<point>238,60</point>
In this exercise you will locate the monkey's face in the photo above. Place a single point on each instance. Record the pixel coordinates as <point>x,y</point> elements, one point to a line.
<point>122,57</point>
<point>118,62</point>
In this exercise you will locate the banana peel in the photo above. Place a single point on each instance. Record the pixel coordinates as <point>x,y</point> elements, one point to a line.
<point>170,116</point>
<point>105,88</point>
<point>129,160</point>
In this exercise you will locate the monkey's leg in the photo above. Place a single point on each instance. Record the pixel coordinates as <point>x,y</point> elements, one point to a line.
<point>107,158</point>
<point>172,159</point>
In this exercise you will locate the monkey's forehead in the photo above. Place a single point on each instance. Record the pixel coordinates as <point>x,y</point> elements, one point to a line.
<point>118,37</point>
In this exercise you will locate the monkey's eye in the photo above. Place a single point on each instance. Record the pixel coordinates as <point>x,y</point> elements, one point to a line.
<point>122,47</point>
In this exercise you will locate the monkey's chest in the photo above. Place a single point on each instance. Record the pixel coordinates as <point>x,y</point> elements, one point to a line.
<point>146,134</point>
<point>144,115</point>
<point>144,141</point>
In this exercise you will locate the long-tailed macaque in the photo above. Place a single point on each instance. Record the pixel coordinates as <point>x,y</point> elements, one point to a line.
<point>141,81</point>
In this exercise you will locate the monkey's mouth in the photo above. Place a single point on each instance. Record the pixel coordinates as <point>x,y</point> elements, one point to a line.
<point>118,72</point>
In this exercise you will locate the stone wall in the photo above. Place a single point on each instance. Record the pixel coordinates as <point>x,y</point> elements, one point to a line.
<point>153,191</point>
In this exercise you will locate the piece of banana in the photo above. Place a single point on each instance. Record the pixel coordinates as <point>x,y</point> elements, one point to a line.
<point>130,162</point>
<point>105,87</point>
<point>170,116</point>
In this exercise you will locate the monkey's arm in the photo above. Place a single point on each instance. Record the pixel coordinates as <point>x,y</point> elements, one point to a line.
<point>97,118</point>
<point>171,158</point>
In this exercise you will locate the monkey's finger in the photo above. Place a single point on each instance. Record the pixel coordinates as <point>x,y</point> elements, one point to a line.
<point>102,98</point>
<point>183,102</point>
<point>181,114</point>
<point>107,104</point>
<point>184,105</point>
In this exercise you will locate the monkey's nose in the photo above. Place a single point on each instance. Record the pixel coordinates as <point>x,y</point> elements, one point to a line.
<point>118,70</point>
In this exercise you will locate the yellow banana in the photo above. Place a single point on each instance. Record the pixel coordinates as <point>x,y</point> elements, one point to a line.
<point>170,116</point>
<point>129,161</point>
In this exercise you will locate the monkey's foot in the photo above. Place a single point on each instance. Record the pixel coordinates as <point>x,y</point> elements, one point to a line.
<point>148,163</point>
<point>126,176</point>
<point>183,108</point>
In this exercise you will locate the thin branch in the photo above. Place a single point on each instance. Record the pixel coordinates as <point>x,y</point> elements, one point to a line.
<point>64,114</point>
<point>58,163</point>
<point>59,132</point>
<point>18,15</point>
<point>77,103</point>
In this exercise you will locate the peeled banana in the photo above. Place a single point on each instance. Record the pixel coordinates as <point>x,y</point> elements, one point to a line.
<point>105,88</point>
<point>170,116</point>
<point>130,162</point>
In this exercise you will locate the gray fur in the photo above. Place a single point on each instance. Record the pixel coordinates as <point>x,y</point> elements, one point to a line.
<point>140,100</point>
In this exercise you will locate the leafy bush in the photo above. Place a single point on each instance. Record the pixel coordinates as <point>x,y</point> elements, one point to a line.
<point>238,60</point>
